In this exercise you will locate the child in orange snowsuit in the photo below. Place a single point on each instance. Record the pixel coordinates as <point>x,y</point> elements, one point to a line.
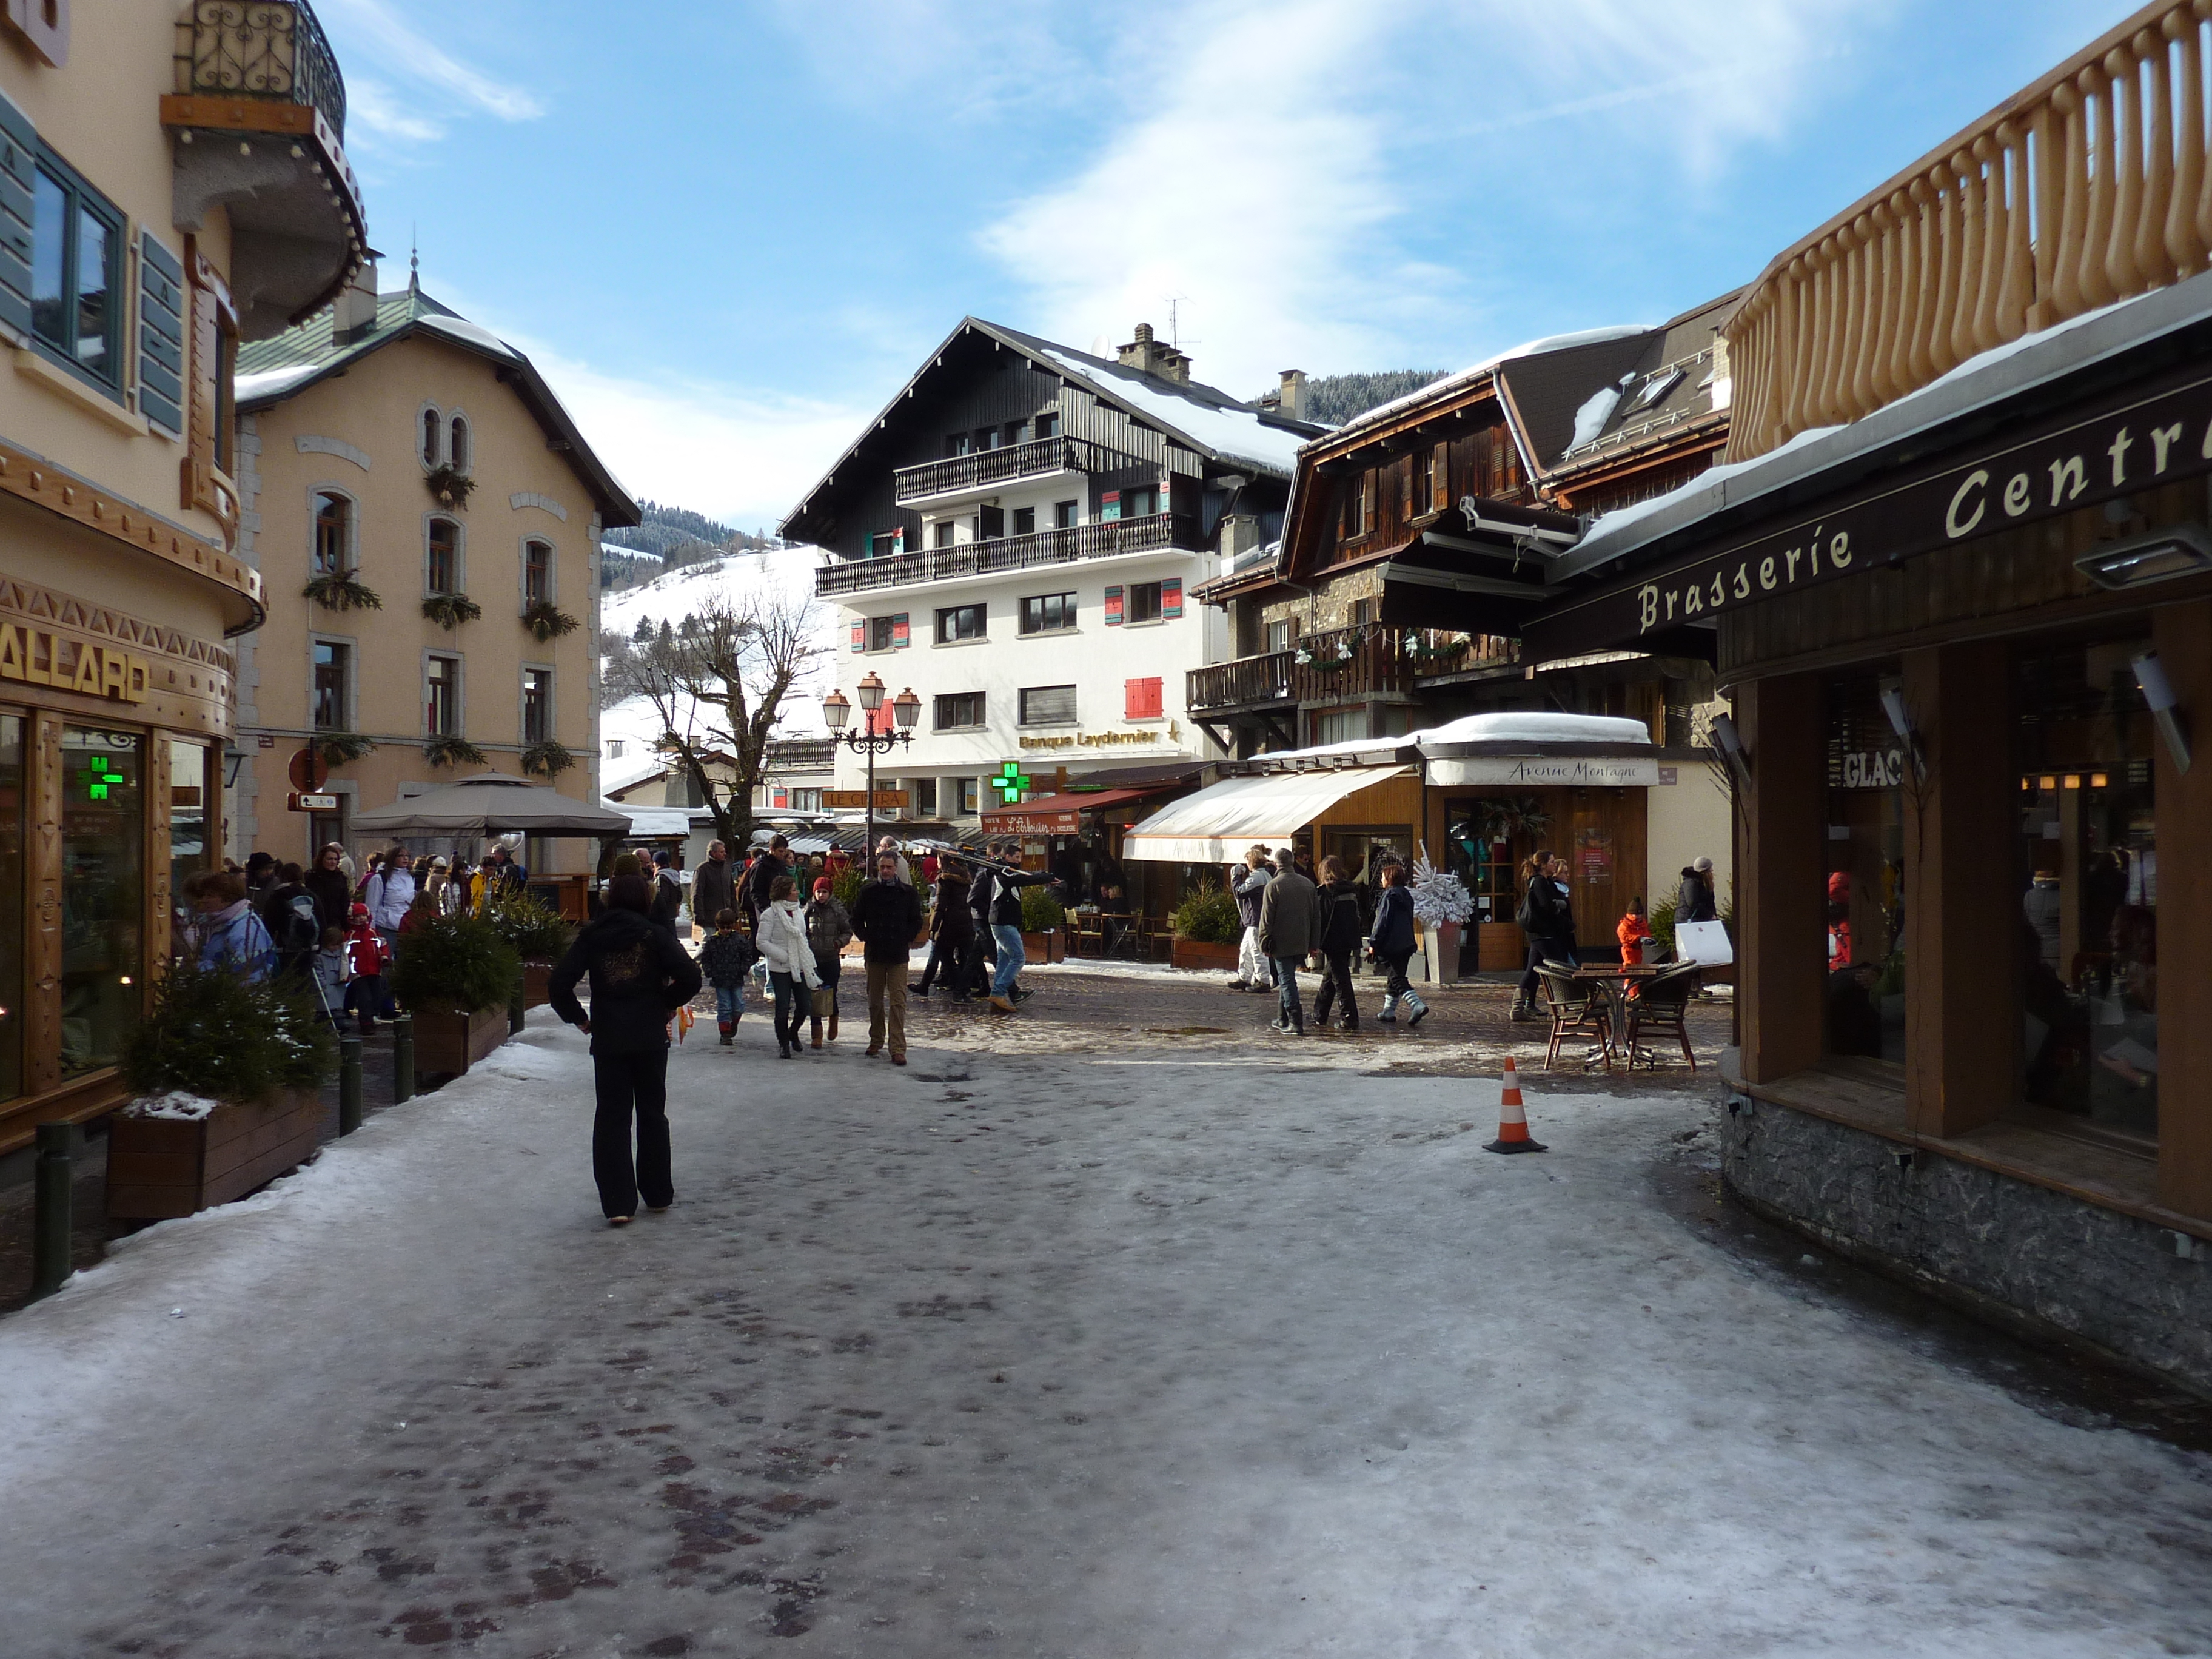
<point>1632,930</point>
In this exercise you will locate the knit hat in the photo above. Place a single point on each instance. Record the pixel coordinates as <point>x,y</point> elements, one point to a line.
<point>823,888</point>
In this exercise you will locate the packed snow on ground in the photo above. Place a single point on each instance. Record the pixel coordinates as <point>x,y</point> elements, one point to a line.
<point>1094,1352</point>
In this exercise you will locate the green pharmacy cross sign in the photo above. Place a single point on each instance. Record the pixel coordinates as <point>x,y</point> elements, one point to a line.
<point>1010,783</point>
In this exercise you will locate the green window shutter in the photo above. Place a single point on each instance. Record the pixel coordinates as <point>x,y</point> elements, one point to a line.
<point>18,149</point>
<point>160,336</point>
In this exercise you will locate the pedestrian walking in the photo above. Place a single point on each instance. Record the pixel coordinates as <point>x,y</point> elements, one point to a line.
<point>330,887</point>
<point>391,894</point>
<point>1548,921</point>
<point>975,978</point>
<point>1286,933</point>
<point>952,929</point>
<point>1633,930</point>
<point>1390,943</point>
<point>1695,901</point>
<point>664,899</point>
<point>330,974</point>
<point>1336,936</point>
<point>231,937</point>
<point>725,960</point>
<point>1006,886</point>
<point>889,844</point>
<point>1250,885</point>
<point>887,917</point>
<point>714,886</point>
<point>640,976</point>
<point>829,930</point>
<point>782,936</point>
<point>367,959</point>
<point>774,861</point>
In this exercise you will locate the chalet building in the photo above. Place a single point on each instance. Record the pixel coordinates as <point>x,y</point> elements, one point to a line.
<point>426,519</point>
<point>1016,537</point>
<point>1958,587</point>
<point>157,213</point>
<point>1416,542</point>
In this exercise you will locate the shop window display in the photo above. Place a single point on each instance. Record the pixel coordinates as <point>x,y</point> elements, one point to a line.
<point>188,848</point>
<point>1869,777</point>
<point>2087,870</point>
<point>103,894</point>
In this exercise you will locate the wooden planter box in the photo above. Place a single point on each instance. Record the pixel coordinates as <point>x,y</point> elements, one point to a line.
<point>1045,947</point>
<point>534,977</point>
<point>1202,955</point>
<point>159,1168</point>
<point>1500,948</point>
<point>446,1045</point>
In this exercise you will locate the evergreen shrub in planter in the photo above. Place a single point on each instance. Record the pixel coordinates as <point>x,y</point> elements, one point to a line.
<point>456,975</point>
<point>1207,928</point>
<point>228,1077</point>
<point>539,937</point>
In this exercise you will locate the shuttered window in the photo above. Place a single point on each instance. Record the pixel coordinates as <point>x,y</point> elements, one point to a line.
<point>1140,699</point>
<point>1047,705</point>
<point>160,336</point>
<point>19,149</point>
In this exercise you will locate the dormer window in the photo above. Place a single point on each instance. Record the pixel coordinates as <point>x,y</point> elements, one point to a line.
<point>431,437</point>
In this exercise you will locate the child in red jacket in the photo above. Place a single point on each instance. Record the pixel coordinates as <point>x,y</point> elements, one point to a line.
<point>366,956</point>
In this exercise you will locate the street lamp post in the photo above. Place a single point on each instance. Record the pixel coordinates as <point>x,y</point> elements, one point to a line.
<point>837,709</point>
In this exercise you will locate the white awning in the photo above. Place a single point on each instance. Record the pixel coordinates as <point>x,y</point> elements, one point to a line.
<point>1218,823</point>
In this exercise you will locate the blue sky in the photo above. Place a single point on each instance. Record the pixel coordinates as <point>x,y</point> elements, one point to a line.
<point>728,232</point>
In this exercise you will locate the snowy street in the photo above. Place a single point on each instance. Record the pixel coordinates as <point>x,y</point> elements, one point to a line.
<point>1131,1346</point>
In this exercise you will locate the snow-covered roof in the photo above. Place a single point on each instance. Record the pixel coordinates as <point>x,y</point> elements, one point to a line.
<point>2030,361</point>
<point>1233,433</point>
<point>1420,395</point>
<point>1510,726</point>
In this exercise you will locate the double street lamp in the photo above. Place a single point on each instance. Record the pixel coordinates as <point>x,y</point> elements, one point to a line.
<point>837,709</point>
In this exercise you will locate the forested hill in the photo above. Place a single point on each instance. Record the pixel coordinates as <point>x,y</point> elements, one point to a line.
<point>676,535</point>
<point>1333,399</point>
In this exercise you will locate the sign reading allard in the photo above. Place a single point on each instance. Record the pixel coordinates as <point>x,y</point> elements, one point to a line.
<point>2145,436</point>
<point>49,656</point>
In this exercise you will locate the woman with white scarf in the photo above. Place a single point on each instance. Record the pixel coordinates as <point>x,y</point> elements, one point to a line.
<point>782,935</point>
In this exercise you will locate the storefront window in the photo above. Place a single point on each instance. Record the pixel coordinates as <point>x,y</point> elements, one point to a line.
<point>188,848</point>
<point>1484,841</point>
<point>14,906</point>
<point>2087,869</point>
<point>1869,775</point>
<point>103,894</point>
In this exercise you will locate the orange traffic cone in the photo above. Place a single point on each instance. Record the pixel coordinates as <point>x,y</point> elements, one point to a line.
<point>1513,1118</point>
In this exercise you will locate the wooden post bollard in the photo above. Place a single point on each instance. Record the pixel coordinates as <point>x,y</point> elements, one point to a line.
<point>515,1016</point>
<point>402,1059</point>
<point>348,1085</point>
<point>50,1259</point>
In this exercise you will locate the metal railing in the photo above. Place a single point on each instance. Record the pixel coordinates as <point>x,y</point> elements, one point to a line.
<point>1005,464</point>
<point>2093,184</point>
<point>273,49</point>
<point>1045,547</point>
<point>1342,665</point>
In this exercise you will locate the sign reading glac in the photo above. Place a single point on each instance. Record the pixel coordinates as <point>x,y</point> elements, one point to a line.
<point>2147,436</point>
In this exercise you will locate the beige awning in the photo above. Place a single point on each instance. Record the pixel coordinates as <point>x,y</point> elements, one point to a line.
<point>1218,823</point>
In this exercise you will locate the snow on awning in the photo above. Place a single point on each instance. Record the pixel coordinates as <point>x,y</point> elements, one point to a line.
<point>1216,825</point>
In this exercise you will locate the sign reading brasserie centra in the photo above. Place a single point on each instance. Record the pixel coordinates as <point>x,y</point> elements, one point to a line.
<point>2145,436</point>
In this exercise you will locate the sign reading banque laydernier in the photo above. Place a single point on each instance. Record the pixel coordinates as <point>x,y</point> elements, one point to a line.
<point>2147,436</point>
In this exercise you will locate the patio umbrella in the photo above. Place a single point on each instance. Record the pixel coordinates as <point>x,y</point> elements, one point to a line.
<point>493,805</point>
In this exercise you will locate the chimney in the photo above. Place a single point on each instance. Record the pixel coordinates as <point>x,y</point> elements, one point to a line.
<point>354,315</point>
<point>1150,356</point>
<point>1291,399</point>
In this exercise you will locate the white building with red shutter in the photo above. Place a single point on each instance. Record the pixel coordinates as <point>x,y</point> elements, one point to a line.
<point>1015,538</point>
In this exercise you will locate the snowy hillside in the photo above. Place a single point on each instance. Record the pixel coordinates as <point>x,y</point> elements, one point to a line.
<point>632,724</point>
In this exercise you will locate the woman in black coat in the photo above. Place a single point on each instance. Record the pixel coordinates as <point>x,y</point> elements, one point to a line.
<point>1548,921</point>
<point>1336,936</point>
<point>640,976</point>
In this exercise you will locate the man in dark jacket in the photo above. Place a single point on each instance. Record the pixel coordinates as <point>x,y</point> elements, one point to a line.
<point>776,861</point>
<point>885,919</point>
<point>952,929</point>
<point>639,977</point>
<point>713,887</point>
<point>975,977</point>
<point>664,893</point>
<point>1337,934</point>
<point>1286,933</point>
<point>1007,884</point>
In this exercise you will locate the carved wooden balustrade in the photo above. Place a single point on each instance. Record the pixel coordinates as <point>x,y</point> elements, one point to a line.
<point>2089,186</point>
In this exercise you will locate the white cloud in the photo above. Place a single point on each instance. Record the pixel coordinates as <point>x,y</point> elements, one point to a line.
<point>1276,161</point>
<point>373,33</point>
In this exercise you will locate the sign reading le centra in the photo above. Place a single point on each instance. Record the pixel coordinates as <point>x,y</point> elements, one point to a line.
<point>2144,437</point>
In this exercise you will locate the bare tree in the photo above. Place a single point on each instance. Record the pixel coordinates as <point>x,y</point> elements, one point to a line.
<point>718,683</point>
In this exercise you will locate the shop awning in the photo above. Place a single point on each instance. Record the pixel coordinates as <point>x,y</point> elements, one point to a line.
<point>1055,815</point>
<point>493,805</point>
<point>1215,826</point>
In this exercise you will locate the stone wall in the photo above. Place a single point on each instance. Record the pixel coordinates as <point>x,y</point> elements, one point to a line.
<point>2023,1255</point>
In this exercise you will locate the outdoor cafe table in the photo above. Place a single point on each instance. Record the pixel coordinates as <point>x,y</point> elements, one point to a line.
<point>1111,928</point>
<point>1613,980</point>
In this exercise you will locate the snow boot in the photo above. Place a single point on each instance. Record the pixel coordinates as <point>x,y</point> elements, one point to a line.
<point>1419,1010</point>
<point>1389,1014</point>
<point>729,1032</point>
<point>816,1022</point>
<point>833,1024</point>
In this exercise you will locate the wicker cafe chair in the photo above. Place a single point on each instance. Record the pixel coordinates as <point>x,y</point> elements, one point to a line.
<point>1661,1004</point>
<point>1575,1010</point>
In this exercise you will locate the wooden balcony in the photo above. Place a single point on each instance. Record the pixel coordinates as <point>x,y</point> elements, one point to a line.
<point>1345,664</point>
<point>2091,186</point>
<point>259,118</point>
<point>1047,547</point>
<point>985,468</point>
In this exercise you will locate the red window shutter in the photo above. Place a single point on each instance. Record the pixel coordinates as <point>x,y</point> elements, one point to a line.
<point>1140,699</point>
<point>1113,607</point>
<point>1171,596</point>
<point>860,636</point>
<point>885,719</point>
<point>900,638</point>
